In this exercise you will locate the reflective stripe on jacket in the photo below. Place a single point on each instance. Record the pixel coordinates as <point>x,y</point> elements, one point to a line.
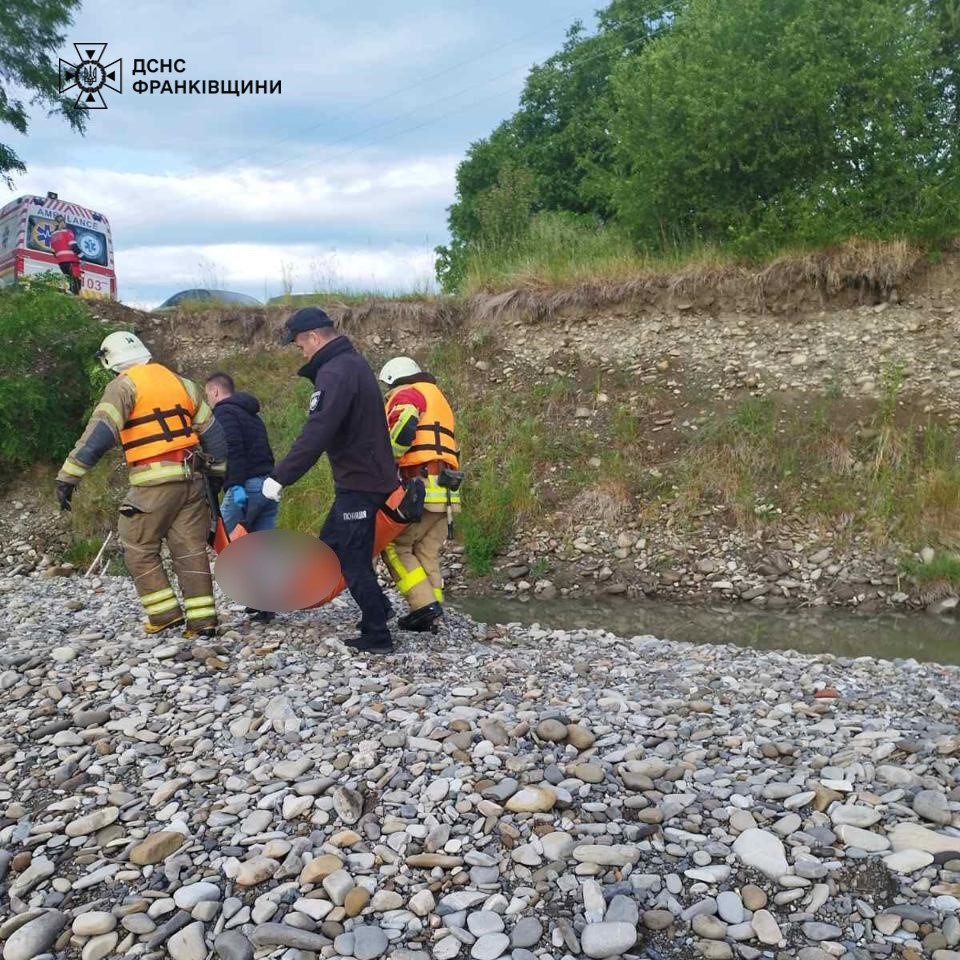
<point>110,417</point>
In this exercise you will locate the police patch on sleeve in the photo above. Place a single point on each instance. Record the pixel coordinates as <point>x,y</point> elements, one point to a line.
<point>316,401</point>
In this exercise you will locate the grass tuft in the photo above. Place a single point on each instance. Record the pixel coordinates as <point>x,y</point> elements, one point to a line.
<point>943,569</point>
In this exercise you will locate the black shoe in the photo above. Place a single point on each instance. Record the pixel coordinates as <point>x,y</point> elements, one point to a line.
<point>369,645</point>
<point>423,619</point>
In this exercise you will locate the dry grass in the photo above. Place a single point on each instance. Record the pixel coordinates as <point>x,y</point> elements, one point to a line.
<point>431,315</point>
<point>858,270</point>
<point>608,502</point>
<point>867,266</point>
<point>261,327</point>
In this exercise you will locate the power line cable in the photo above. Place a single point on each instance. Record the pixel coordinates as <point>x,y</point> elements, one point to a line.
<point>400,90</point>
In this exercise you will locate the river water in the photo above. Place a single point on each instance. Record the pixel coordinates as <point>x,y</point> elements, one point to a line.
<point>818,630</point>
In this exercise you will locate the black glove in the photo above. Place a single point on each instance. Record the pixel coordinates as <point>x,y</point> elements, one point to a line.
<point>64,493</point>
<point>216,484</point>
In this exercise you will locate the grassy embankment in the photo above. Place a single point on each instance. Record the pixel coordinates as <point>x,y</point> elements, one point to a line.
<point>877,472</point>
<point>882,474</point>
<point>555,253</point>
<point>888,474</point>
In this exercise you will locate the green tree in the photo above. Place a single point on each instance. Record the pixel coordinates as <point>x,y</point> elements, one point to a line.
<point>946,13</point>
<point>478,172</point>
<point>31,31</point>
<point>504,209</point>
<point>560,132</point>
<point>562,126</point>
<point>758,123</point>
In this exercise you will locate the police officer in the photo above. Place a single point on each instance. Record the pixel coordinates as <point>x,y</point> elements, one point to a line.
<point>162,421</point>
<point>347,422</point>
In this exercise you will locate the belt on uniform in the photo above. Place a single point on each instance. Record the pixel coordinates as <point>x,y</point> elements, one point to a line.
<point>430,468</point>
<point>171,456</point>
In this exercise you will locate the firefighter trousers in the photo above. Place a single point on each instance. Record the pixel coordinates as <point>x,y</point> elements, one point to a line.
<point>179,514</point>
<point>414,559</point>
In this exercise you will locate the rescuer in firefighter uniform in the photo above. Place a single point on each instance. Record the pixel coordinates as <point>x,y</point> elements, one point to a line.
<point>167,432</point>
<point>423,437</point>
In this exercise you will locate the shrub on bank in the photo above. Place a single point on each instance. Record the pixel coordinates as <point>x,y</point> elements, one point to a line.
<point>48,375</point>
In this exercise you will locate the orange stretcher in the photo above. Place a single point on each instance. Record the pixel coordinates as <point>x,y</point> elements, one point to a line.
<point>305,570</point>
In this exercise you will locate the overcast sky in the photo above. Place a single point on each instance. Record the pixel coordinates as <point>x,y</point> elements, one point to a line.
<point>344,177</point>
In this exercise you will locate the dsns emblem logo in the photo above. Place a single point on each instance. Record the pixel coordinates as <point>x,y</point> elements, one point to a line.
<point>89,76</point>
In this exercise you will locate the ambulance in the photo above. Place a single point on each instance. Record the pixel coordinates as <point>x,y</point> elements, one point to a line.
<point>26,225</point>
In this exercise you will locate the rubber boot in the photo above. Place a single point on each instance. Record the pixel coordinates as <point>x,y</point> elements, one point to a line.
<point>423,619</point>
<point>152,628</point>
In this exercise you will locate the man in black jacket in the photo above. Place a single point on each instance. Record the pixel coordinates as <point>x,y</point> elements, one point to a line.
<point>346,421</point>
<point>249,457</point>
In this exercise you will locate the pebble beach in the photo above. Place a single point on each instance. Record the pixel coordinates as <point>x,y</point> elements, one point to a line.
<point>486,792</point>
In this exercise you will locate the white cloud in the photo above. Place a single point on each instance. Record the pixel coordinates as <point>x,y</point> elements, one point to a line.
<point>365,193</point>
<point>259,269</point>
<point>237,220</point>
<point>346,176</point>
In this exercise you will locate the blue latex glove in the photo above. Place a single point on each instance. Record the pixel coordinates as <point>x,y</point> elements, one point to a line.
<point>239,495</point>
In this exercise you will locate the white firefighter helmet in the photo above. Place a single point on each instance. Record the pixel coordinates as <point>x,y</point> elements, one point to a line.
<point>398,369</point>
<point>122,349</point>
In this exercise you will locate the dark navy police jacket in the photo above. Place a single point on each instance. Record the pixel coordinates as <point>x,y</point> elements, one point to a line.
<point>346,421</point>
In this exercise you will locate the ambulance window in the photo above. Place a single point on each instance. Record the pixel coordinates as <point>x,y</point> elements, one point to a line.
<point>92,243</point>
<point>39,232</point>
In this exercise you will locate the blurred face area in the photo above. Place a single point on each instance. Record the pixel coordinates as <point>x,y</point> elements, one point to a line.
<point>310,341</point>
<point>214,394</point>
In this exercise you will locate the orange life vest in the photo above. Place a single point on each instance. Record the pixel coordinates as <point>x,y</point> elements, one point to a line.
<point>435,438</point>
<point>162,417</point>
